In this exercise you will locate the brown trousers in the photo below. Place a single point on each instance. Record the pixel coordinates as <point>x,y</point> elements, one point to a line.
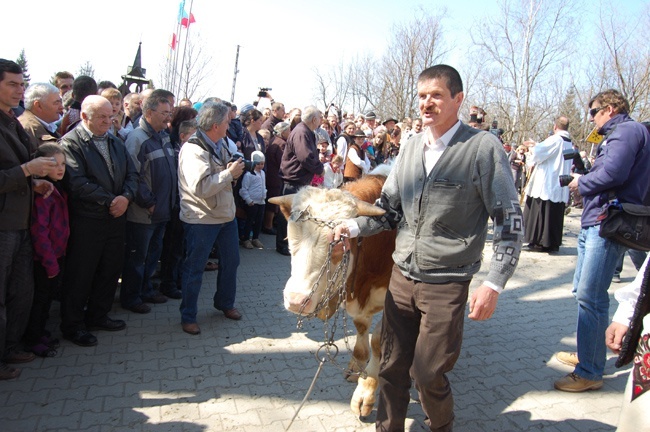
<point>421,338</point>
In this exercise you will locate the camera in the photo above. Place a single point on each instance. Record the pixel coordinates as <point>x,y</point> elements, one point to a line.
<point>565,180</point>
<point>264,92</point>
<point>248,165</point>
<point>579,165</point>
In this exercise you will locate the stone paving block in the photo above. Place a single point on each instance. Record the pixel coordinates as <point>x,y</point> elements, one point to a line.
<point>22,425</point>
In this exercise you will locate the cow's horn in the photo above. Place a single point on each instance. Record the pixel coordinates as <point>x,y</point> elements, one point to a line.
<point>284,200</point>
<point>366,209</point>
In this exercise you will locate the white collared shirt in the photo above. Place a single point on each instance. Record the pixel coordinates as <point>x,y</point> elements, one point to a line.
<point>433,151</point>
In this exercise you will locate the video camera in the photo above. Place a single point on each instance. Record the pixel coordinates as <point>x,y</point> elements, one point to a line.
<point>572,154</point>
<point>264,92</point>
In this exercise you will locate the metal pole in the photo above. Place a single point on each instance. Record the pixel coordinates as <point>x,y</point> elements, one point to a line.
<point>234,78</point>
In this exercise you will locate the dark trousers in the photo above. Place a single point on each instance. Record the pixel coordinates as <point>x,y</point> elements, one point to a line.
<point>281,241</point>
<point>171,259</point>
<point>94,263</point>
<point>45,289</point>
<point>16,286</point>
<point>254,219</point>
<point>422,331</point>
<point>142,251</point>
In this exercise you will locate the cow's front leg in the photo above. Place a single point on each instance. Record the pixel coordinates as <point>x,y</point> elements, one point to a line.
<point>363,399</point>
<point>361,350</point>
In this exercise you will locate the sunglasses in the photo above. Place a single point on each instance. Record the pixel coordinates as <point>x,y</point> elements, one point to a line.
<point>594,111</point>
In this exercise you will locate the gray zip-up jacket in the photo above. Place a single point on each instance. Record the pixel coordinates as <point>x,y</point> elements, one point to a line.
<point>441,218</point>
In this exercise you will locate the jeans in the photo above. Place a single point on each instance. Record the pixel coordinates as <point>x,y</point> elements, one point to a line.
<point>142,251</point>
<point>171,259</point>
<point>597,258</point>
<point>199,240</point>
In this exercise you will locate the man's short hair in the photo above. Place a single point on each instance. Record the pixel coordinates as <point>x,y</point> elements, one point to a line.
<point>310,113</point>
<point>10,67</point>
<point>153,101</point>
<point>56,79</point>
<point>112,94</point>
<point>186,127</point>
<point>82,87</point>
<point>164,93</point>
<point>451,76</point>
<point>36,92</point>
<point>562,123</point>
<point>612,98</point>
<point>129,96</point>
<point>212,113</point>
<point>276,105</point>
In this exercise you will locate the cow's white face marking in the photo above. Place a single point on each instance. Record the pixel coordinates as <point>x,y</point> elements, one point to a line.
<point>309,244</point>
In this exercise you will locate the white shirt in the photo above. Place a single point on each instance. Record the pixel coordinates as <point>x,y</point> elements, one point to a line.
<point>549,165</point>
<point>628,296</point>
<point>433,151</point>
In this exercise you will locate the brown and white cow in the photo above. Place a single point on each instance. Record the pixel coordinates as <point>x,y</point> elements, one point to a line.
<point>311,213</point>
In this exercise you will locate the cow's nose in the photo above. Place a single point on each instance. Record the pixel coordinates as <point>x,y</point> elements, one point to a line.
<point>298,303</point>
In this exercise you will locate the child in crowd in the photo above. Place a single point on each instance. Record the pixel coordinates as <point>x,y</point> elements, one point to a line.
<point>50,230</point>
<point>253,192</point>
<point>322,143</point>
<point>115,98</point>
<point>186,130</point>
<point>332,174</point>
<point>266,136</point>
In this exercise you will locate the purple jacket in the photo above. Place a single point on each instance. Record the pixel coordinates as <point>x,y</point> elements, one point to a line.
<point>622,166</point>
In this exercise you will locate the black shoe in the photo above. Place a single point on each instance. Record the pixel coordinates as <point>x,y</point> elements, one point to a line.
<point>283,251</point>
<point>141,308</point>
<point>156,298</point>
<point>81,338</point>
<point>176,294</point>
<point>550,249</point>
<point>107,324</point>
<point>270,231</point>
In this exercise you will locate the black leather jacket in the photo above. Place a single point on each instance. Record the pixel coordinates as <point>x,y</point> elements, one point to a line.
<point>91,189</point>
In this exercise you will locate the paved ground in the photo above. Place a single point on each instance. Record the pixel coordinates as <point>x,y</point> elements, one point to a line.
<point>251,375</point>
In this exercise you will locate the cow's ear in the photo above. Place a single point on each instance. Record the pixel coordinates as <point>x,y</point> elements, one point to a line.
<point>284,202</point>
<point>367,209</point>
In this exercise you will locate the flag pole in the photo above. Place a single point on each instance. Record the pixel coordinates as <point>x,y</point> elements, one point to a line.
<point>179,29</point>
<point>187,37</point>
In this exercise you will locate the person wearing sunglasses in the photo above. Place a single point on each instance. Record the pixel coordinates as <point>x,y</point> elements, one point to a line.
<point>621,169</point>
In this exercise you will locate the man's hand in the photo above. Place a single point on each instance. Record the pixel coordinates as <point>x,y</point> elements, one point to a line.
<point>573,186</point>
<point>117,124</point>
<point>236,168</point>
<point>482,303</point>
<point>530,143</point>
<point>614,336</point>
<point>151,209</point>
<point>40,166</point>
<point>118,206</point>
<point>42,187</point>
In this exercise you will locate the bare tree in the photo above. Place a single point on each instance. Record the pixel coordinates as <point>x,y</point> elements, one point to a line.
<point>525,47</point>
<point>86,69</point>
<point>191,73</point>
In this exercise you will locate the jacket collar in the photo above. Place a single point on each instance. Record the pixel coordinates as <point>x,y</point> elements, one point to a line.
<point>613,122</point>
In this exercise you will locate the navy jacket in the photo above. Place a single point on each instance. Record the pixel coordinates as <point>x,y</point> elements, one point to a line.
<point>622,166</point>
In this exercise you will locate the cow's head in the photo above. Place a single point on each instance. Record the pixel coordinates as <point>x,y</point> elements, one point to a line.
<point>311,214</point>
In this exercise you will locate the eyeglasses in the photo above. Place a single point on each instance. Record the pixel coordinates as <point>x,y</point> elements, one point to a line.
<point>594,111</point>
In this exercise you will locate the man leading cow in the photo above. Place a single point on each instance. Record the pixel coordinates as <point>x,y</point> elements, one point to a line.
<point>444,186</point>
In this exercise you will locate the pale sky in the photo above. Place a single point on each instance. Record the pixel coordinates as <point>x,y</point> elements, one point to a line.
<point>281,42</point>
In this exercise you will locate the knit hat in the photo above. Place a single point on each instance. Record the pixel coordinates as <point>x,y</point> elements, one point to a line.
<point>244,109</point>
<point>257,157</point>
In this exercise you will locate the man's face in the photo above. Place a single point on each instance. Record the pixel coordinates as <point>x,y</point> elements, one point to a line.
<point>64,85</point>
<point>417,126</point>
<point>372,123</point>
<point>12,90</point>
<point>279,112</point>
<point>390,125</point>
<point>134,106</point>
<point>49,108</point>
<point>600,114</point>
<point>439,110</point>
<point>100,121</point>
<point>159,117</point>
<point>221,129</point>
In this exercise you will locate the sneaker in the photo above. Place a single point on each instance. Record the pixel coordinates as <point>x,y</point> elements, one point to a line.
<point>568,358</point>
<point>7,372</point>
<point>14,357</point>
<point>576,384</point>
<point>258,244</point>
<point>247,244</point>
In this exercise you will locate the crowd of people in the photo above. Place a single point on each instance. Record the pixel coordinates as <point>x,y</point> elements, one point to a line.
<point>98,187</point>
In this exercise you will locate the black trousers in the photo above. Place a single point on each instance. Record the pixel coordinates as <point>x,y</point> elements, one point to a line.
<point>16,286</point>
<point>281,241</point>
<point>45,288</point>
<point>94,264</point>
